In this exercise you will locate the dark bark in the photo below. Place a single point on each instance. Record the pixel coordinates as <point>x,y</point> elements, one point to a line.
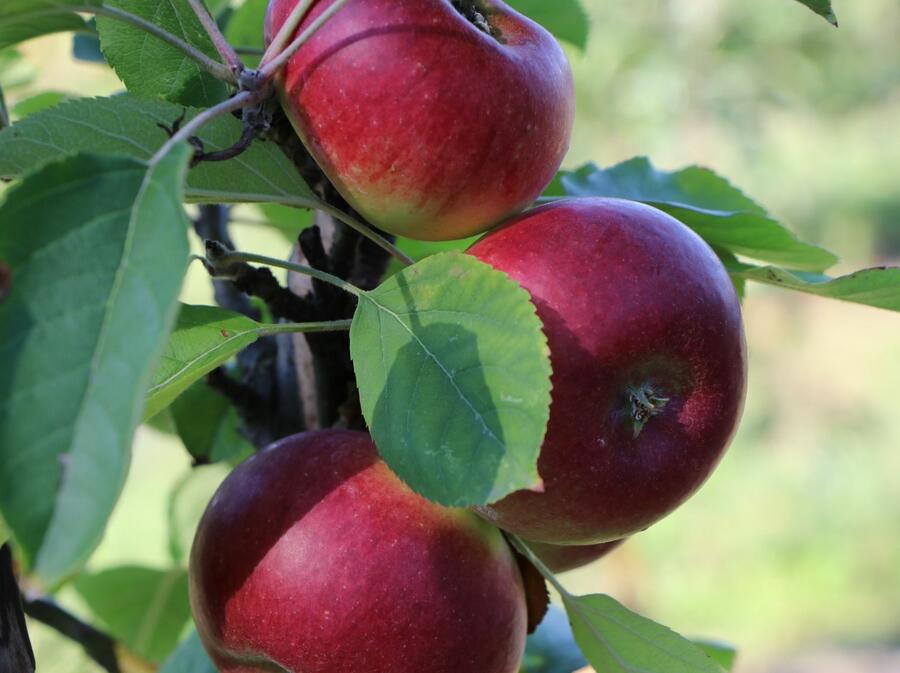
<point>4,112</point>
<point>272,391</point>
<point>212,225</point>
<point>264,388</point>
<point>327,381</point>
<point>16,655</point>
<point>97,645</point>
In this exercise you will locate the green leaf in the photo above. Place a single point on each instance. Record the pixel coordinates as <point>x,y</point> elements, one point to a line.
<point>190,657</point>
<point>15,71</point>
<point>454,379</point>
<point>419,250</point>
<point>22,20</point>
<point>616,640</point>
<point>552,648</point>
<point>219,7</point>
<point>42,101</point>
<point>722,653</point>
<point>208,425</point>
<point>728,260</point>
<point>204,338</point>
<point>152,68</point>
<point>245,29</point>
<point>566,19</point>
<point>146,609</point>
<point>707,203</point>
<point>878,287</point>
<point>162,422</point>
<point>186,506</point>
<point>98,249</point>
<point>822,8</point>
<point>288,221</point>
<point>127,126</point>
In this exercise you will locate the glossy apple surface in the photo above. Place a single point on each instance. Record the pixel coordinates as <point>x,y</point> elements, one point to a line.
<point>649,365</point>
<point>313,557</point>
<point>562,558</point>
<point>430,126</point>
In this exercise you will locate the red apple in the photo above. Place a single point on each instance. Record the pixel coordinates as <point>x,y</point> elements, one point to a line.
<point>649,365</point>
<point>313,557</point>
<point>433,122</point>
<point>562,558</point>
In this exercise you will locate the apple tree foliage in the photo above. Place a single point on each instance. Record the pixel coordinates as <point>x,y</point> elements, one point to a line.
<point>94,246</point>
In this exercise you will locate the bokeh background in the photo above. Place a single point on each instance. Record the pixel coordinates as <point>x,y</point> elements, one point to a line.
<point>792,550</point>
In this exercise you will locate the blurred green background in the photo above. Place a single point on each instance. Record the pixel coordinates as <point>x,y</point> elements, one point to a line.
<point>792,551</point>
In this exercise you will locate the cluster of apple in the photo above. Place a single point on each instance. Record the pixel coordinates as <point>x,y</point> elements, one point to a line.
<point>437,119</point>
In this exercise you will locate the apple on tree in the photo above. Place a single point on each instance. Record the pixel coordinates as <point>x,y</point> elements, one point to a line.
<point>649,365</point>
<point>434,119</point>
<point>437,119</point>
<point>313,557</point>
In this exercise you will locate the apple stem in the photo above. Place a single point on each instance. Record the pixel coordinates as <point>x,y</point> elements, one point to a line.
<point>270,67</point>
<point>645,404</point>
<point>361,227</point>
<point>525,551</point>
<point>226,51</point>
<point>219,258</point>
<point>473,14</point>
<point>287,30</point>
<point>306,327</point>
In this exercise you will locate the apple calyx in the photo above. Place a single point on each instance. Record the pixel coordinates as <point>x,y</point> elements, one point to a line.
<point>645,404</point>
<point>474,14</point>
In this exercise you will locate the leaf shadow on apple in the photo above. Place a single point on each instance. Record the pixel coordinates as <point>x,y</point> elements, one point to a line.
<point>597,468</point>
<point>436,421</point>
